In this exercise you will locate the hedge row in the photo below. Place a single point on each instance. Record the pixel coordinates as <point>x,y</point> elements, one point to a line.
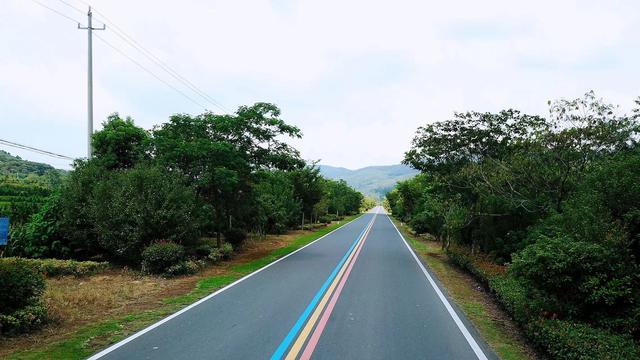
<point>21,289</point>
<point>23,320</point>
<point>56,267</point>
<point>559,339</point>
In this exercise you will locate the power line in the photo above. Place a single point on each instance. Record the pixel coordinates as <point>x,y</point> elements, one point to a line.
<point>39,151</point>
<point>148,54</point>
<point>118,31</point>
<point>148,71</point>
<point>55,11</point>
<point>73,7</point>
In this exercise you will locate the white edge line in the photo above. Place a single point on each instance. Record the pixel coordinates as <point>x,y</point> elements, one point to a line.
<point>467,335</point>
<point>160,322</point>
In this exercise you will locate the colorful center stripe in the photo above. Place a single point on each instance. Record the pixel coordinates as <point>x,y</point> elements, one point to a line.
<point>328,293</point>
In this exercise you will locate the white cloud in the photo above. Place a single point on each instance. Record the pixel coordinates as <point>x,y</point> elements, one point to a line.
<point>357,76</point>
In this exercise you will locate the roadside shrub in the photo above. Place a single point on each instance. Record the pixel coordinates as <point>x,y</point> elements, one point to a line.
<point>145,203</point>
<point>182,268</point>
<point>227,251</point>
<point>56,267</point>
<point>21,285</point>
<point>23,320</point>
<point>325,219</point>
<point>203,250</point>
<point>513,297</point>
<point>567,340</point>
<point>581,280</point>
<point>41,237</point>
<point>159,257</point>
<point>223,253</point>
<point>215,255</point>
<point>235,236</point>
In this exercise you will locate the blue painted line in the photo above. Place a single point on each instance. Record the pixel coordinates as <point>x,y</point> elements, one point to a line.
<point>305,314</point>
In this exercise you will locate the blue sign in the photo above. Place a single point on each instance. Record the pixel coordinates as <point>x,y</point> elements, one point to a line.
<point>4,230</point>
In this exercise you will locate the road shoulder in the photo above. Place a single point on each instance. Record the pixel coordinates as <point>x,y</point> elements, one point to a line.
<point>489,320</point>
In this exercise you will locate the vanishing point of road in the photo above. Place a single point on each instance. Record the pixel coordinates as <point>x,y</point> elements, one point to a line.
<point>359,292</point>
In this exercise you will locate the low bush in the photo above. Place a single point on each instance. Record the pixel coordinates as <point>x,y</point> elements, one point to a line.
<point>182,268</point>
<point>159,257</point>
<point>56,267</point>
<point>235,236</point>
<point>202,251</point>
<point>21,289</point>
<point>566,340</point>
<point>21,285</point>
<point>227,251</point>
<point>326,219</point>
<point>560,339</point>
<point>579,280</point>
<point>215,255</point>
<point>23,320</point>
<point>223,253</point>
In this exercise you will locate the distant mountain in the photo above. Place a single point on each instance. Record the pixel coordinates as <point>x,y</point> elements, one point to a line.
<point>16,166</point>
<point>374,181</point>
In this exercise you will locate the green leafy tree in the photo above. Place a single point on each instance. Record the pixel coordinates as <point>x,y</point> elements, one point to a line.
<point>120,144</point>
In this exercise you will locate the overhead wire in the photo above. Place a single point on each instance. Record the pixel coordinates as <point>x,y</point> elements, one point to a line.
<point>118,31</point>
<point>36,150</point>
<point>148,71</point>
<point>73,7</point>
<point>55,11</point>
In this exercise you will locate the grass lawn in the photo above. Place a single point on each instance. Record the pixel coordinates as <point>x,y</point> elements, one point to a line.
<point>68,296</point>
<point>500,332</point>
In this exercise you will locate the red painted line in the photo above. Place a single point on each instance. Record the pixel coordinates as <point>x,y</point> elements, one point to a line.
<point>313,341</point>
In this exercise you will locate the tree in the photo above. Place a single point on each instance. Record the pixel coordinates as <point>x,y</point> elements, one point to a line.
<point>132,208</point>
<point>220,155</point>
<point>120,144</point>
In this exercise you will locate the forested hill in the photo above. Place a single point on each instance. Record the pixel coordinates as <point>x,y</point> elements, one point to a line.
<point>373,181</point>
<point>14,165</point>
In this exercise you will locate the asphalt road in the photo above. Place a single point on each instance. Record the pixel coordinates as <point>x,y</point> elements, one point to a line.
<point>357,293</point>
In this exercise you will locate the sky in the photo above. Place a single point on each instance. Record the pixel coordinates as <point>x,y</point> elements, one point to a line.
<point>357,77</point>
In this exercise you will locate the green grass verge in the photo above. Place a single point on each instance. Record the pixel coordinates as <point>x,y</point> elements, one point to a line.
<point>88,340</point>
<point>500,340</point>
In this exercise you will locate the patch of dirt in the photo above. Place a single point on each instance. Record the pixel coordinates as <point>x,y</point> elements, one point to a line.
<point>75,302</point>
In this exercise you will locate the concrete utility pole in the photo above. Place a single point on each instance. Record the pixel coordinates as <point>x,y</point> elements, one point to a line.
<point>89,29</point>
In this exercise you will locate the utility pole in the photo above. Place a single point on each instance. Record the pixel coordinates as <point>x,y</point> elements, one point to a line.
<point>89,29</point>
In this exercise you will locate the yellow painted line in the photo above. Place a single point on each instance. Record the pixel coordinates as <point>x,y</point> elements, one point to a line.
<point>302,337</point>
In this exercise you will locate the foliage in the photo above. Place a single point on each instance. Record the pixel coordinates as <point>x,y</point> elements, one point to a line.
<point>197,176</point>
<point>582,281</point>
<point>40,236</point>
<point>235,236</point>
<point>559,339</point>
<point>182,268</point>
<point>277,206</point>
<point>56,267</point>
<point>227,251</point>
<point>557,197</point>
<point>23,320</point>
<point>120,144</point>
<point>568,340</point>
<point>15,166</point>
<point>21,285</point>
<point>145,204</point>
<point>159,257</point>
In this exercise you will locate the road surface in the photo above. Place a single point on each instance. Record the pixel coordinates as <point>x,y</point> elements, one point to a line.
<point>357,293</point>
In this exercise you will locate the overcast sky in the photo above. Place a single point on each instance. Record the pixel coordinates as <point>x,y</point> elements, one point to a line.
<point>358,77</point>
